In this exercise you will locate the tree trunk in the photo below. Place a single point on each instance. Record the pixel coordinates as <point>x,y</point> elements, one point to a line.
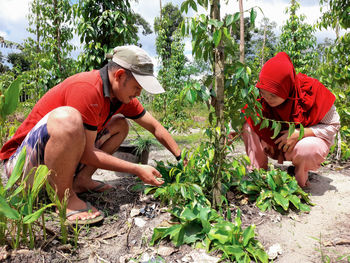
<point>263,49</point>
<point>57,25</point>
<point>160,6</point>
<point>241,40</point>
<point>37,22</point>
<point>219,108</point>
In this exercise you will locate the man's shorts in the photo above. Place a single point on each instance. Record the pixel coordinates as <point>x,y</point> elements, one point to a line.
<point>35,143</point>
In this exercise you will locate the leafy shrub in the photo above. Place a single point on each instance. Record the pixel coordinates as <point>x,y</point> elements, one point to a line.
<point>274,189</point>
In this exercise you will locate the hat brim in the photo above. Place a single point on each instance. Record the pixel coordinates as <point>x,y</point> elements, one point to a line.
<point>149,83</point>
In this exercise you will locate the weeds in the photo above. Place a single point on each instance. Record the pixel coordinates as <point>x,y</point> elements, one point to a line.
<point>18,205</point>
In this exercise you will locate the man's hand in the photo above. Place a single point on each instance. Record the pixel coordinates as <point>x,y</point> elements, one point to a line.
<point>149,175</point>
<point>287,144</point>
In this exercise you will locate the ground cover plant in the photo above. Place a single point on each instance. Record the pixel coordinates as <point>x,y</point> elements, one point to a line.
<point>209,92</point>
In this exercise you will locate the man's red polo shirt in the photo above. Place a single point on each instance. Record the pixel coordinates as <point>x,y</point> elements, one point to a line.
<point>88,92</point>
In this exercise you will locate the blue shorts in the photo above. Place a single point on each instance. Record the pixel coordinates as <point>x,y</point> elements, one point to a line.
<point>35,143</point>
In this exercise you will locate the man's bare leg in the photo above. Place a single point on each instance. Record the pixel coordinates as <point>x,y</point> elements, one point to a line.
<point>118,129</point>
<point>63,152</point>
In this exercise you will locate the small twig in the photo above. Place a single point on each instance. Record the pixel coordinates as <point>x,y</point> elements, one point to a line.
<point>62,254</point>
<point>343,242</point>
<point>102,259</point>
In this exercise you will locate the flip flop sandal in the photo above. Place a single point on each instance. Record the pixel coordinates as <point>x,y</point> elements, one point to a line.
<point>97,188</point>
<point>86,221</point>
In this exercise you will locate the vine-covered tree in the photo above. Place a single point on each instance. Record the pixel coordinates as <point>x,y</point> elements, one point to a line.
<point>103,25</point>
<point>334,71</point>
<point>298,41</point>
<point>164,26</point>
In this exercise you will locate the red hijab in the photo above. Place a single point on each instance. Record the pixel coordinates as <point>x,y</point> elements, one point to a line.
<point>306,99</point>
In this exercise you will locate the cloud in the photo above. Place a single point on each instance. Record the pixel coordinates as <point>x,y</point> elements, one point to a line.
<point>13,19</point>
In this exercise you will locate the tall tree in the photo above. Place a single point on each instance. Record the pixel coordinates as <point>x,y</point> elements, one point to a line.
<point>51,23</point>
<point>3,67</point>
<point>219,84</point>
<point>263,44</point>
<point>334,71</point>
<point>165,25</point>
<point>298,41</point>
<point>241,29</point>
<point>229,80</point>
<point>170,50</point>
<point>103,25</point>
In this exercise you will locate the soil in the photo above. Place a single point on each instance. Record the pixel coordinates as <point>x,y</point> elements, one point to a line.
<point>130,217</point>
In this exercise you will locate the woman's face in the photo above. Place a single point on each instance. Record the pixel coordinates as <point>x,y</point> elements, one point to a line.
<point>271,99</point>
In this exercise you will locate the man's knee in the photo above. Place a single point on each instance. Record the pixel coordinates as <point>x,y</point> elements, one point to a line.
<point>65,120</point>
<point>118,124</point>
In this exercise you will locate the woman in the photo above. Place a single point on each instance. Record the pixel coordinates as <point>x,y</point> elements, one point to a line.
<point>287,96</point>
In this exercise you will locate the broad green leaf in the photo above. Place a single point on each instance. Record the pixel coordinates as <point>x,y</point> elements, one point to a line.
<point>236,16</point>
<point>40,178</point>
<point>304,207</point>
<point>237,251</point>
<point>264,124</point>
<point>253,14</point>
<point>8,211</point>
<point>284,202</point>
<point>221,232</point>
<point>204,214</point>
<point>192,232</point>
<point>295,201</point>
<point>191,95</point>
<point>17,170</point>
<point>217,37</point>
<point>271,181</point>
<point>276,130</point>
<point>248,234</point>
<point>158,233</point>
<point>291,129</point>
<point>301,132</point>
<point>11,97</point>
<point>34,216</point>
<point>193,5</point>
<point>260,254</point>
<point>229,20</point>
<point>188,215</point>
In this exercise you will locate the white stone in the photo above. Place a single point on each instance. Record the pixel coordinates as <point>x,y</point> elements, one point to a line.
<point>139,222</point>
<point>165,251</point>
<point>274,251</point>
<point>134,212</point>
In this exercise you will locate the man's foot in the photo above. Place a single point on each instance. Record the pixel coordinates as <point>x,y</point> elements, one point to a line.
<point>88,185</point>
<point>85,220</point>
<point>78,210</point>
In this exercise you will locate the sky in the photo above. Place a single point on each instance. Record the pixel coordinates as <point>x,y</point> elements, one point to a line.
<point>13,18</point>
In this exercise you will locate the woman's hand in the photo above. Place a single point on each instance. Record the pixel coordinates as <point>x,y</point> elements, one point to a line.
<point>287,144</point>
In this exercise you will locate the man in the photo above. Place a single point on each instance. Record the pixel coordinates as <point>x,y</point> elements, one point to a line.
<point>74,129</point>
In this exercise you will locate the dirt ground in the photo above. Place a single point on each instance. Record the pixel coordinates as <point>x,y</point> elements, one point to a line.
<point>131,216</point>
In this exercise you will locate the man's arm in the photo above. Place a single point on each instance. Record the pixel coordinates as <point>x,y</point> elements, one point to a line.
<point>93,156</point>
<point>148,122</point>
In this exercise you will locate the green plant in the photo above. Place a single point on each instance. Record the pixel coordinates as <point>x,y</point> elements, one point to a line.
<point>274,189</point>
<point>62,209</point>
<point>18,209</point>
<point>143,144</point>
<point>324,254</point>
<point>203,225</point>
